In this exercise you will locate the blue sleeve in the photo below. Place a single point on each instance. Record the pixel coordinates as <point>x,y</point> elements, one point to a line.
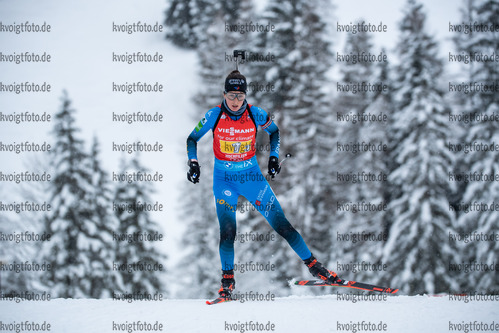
<point>263,120</point>
<point>201,128</point>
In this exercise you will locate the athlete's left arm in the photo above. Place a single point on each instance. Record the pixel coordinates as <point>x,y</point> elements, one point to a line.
<point>263,120</point>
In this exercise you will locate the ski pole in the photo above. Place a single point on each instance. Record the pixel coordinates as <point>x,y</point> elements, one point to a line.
<point>288,155</point>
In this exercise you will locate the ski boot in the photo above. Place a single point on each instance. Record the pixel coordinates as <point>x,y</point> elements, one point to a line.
<point>228,284</point>
<point>319,271</point>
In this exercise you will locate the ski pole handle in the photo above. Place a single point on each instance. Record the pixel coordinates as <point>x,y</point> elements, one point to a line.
<point>288,155</point>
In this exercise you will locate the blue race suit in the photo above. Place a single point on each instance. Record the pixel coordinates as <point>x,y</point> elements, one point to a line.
<point>236,173</point>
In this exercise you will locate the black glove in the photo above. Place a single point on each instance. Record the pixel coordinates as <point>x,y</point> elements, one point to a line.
<point>274,167</point>
<point>194,172</point>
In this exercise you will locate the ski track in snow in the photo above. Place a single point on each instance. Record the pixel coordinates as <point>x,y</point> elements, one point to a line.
<point>290,314</point>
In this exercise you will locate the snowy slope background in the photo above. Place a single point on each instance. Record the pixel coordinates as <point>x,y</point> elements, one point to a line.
<point>81,44</point>
<point>293,314</point>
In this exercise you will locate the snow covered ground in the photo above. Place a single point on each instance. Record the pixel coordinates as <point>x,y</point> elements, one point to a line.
<point>292,314</point>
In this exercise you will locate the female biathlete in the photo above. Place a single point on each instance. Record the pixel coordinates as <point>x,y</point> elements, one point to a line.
<point>234,124</point>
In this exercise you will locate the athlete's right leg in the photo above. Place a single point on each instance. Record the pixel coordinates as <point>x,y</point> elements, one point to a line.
<point>226,196</point>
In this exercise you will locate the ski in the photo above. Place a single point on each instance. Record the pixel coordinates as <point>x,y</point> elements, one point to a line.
<point>348,284</point>
<point>219,300</point>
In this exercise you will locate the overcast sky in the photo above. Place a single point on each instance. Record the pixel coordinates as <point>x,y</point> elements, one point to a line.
<point>439,14</point>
